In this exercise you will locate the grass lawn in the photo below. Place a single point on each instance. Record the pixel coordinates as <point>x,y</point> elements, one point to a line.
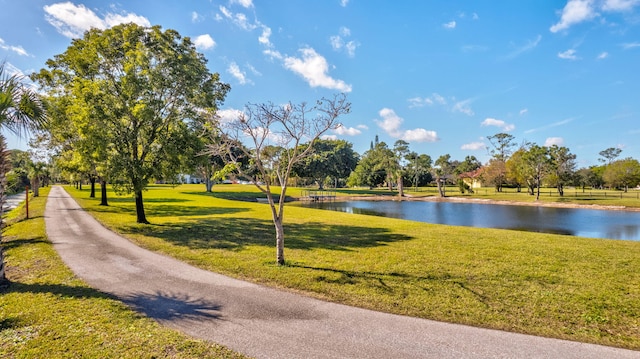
<point>48,313</point>
<point>550,285</point>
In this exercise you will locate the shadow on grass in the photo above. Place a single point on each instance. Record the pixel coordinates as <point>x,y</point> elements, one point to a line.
<point>15,243</point>
<point>169,210</point>
<point>379,279</point>
<point>169,306</point>
<point>56,289</point>
<point>236,233</point>
<point>247,196</point>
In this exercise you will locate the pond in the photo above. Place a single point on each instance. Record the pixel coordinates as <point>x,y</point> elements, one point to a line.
<point>569,221</point>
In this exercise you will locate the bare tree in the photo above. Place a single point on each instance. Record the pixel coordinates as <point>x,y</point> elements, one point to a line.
<point>273,136</point>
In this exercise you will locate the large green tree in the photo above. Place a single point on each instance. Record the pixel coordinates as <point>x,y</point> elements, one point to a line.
<point>20,110</point>
<point>142,87</point>
<point>333,159</point>
<point>374,167</point>
<point>418,168</point>
<point>501,149</point>
<point>623,173</point>
<point>536,165</point>
<point>562,167</point>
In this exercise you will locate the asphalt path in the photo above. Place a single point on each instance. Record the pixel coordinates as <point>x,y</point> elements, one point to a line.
<point>268,323</point>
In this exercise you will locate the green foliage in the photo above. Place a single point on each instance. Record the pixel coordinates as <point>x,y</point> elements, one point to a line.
<point>622,173</point>
<point>328,158</point>
<point>130,93</point>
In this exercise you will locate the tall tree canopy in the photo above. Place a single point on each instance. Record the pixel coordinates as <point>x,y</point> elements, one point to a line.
<point>333,159</point>
<point>142,87</point>
<point>502,144</point>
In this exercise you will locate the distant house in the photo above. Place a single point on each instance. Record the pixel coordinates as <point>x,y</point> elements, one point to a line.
<point>473,179</point>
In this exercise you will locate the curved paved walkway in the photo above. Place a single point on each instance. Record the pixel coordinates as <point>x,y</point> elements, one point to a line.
<point>267,323</point>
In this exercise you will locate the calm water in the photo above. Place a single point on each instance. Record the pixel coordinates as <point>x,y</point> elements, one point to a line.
<point>569,221</point>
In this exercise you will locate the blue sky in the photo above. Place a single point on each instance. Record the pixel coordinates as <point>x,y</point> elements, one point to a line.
<point>442,75</point>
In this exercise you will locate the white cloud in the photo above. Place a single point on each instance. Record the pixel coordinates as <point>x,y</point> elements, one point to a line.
<point>498,123</point>
<point>568,55</point>
<point>473,146</point>
<point>273,54</point>
<point>475,16</point>
<point>239,75</point>
<point>329,137</point>
<point>555,124</point>
<point>524,111</point>
<point>239,19</point>
<point>204,42</point>
<point>228,14</point>
<point>264,38</point>
<point>117,19</point>
<point>530,45</point>
<point>344,3</point>
<point>463,107</point>
<point>577,11</point>
<point>347,131</point>
<point>574,12</point>
<point>449,25</point>
<point>558,141</point>
<point>338,42</point>
<point>195,17</point>
<point>73,20</point>
<point>244,3</point>
<point>314,68</point>
<point>619,5</point>
<point>630,45</point>
<point>229,115</point>
<point>603,55</point>
<point>420,135</point>
<point>427,101</point>
<point>17,49</point>
<point>391,123</point>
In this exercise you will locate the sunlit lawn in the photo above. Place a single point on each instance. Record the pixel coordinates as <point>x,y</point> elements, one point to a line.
<point>48,313</point>
<point>558,286</point>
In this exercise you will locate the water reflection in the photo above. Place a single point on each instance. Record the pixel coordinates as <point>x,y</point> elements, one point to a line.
<point>567,221</point>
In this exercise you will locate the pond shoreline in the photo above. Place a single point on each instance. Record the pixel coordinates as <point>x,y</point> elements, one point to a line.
<point>488,201</point>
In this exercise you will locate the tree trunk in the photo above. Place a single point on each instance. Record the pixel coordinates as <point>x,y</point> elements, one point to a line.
<point>103,192</point>
<point>279,240</point>
<point>141,217</point>
<point>208,183</point>
<point>400,186</point>
<point>440,189</point>
<point>35,184</point>
<point>561,190</point>
<point>80,185</point>
<point>538,190</point>
<point>92,179</point>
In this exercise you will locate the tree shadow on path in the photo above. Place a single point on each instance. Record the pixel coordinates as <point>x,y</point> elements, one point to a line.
<point>169,306</point>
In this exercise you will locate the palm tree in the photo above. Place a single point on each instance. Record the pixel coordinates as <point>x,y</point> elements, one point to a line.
<point>20,110</point>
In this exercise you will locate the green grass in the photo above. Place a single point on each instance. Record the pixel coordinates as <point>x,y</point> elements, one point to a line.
<point>48,313</point>
<point>557,286</point>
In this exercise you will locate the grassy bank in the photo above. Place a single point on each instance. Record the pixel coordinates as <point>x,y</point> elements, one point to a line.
<point>47,313</point>
<point>558,286</point>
